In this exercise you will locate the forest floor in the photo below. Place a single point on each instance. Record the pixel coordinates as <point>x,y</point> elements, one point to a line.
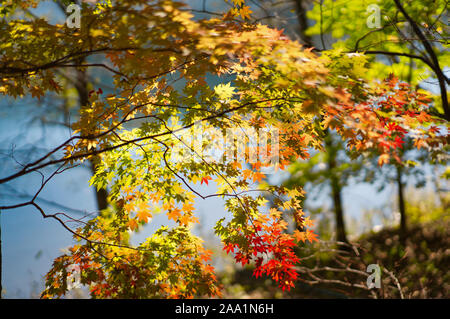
<point>417,263</point>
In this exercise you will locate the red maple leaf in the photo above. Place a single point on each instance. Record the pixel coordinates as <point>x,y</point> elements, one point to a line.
<point>205,180</point>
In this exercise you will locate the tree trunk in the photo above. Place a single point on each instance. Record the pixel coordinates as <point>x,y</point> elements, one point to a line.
<point>101,194</point>
<point>81,86</point>
<point>300,7</point>
<point>336,189</point>
<point>339,212</point>
<point>401,201</point>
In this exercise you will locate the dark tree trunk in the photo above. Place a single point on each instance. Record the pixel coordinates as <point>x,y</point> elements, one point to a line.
<point>339,212</point>
<point>101,194</point>
<point>401,201</point>
<point>336,189</point>
<point>300,7</point>
<point>81,86</point>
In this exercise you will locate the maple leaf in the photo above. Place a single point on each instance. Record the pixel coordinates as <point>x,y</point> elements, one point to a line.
<point>308,222</point>
<point>224,91</point>
<point>143,215</point>
<point>187,207</point>
<point>167,205</point>
<point>128,207</point>
<point>174,214</point>
<point>206,255</point>
<point>236,165</point>
<point>434,129</point>
<point>423,117</point>
<point>256,166</point>
<point>205,180</point>
<point>299,236</point>
<point>383,159</point>
<point>311,236</point>
<point>398,142</point>
<point>187,218</point>
<point>245,12</point>
<point>247,173</point>
<point>258,176</point>
<point>132,224</point>
<point>36,92</point>
<point>419,143</point>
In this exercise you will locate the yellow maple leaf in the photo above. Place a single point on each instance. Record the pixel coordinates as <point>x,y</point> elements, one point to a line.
<point>238,3</point>
<point>178,189</point>
<point>224,91</point>
<point>128,207</point>
<point>245,12</point>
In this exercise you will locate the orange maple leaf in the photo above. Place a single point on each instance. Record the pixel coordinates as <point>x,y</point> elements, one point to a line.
<point>308,222</point>
<point>187,207</point>
<point>311,236</point>
<point>236,165</point>
<point>174,214</point>
<point>247,173</point>
<point>299,235</point>
<point>258,176</point>
<point>423,117</point>
<point>187,218</point>
<point>143,215</point>
<point>132,224</point>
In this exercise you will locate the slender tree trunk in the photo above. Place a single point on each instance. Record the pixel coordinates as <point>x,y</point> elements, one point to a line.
<point>340,225</point>
<point>338,210</point>
<point>300,7</point>
<point>101,194</point>
<point>81,86</point>
<point>401,201</point>
<point>336,190</point>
